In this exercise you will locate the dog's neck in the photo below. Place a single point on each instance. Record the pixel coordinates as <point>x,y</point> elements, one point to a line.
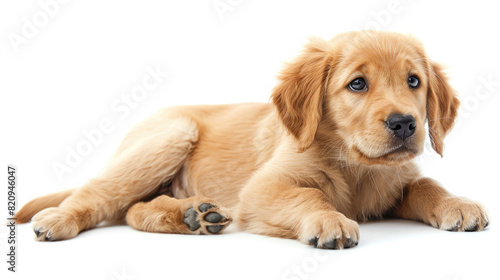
<point>359,181</point>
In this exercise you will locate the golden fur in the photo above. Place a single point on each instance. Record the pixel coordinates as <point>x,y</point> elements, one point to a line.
<point>308,166</point>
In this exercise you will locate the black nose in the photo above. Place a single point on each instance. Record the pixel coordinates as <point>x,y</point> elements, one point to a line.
<point>402,126</point>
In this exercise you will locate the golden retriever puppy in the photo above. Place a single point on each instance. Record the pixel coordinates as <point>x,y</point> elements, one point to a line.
<point>335,147</point>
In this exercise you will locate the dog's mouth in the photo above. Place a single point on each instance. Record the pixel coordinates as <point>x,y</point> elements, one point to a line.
<point>396,155</point>
<point>401,149</point>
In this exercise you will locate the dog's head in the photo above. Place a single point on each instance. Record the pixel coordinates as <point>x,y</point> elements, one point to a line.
<point>373,90</point>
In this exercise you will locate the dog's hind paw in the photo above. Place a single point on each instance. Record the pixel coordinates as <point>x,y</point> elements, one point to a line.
<point>206,218</point>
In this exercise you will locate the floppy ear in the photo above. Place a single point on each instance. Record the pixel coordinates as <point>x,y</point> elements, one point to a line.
<point>299,95</point>
<point>442,106</point>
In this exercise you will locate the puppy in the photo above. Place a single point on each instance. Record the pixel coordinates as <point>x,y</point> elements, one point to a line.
<point>334,147</point>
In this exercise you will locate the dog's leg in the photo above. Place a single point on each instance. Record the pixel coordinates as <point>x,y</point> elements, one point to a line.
<point>194,215</point>
<point>280,208</point>
<point>156,151</point>
<point>425,200</point>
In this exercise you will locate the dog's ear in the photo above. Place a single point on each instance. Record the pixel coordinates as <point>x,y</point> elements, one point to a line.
<point>299,95</point>
<point>442,106</point>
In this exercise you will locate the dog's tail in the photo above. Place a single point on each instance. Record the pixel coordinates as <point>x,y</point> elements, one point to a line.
<point>38,204</point>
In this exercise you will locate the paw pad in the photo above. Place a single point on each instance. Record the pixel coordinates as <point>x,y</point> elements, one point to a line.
<point>206,218</point>
<point>213,217</point>
<point>205,207</point>
<point>190,219</point>
<point>214,229</point>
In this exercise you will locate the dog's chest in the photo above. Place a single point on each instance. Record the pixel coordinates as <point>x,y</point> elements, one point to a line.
<point>374,190</point>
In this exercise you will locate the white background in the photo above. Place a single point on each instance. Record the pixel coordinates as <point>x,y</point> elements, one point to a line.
<point>63,78</point>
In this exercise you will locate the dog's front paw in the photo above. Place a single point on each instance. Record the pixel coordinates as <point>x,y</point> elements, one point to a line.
<point>54,224</point>
<point>329,230</point>
<point>459,214</point>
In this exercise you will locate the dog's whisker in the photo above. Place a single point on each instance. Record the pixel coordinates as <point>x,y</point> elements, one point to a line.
<point>375,185</point>
<point>400,182</point>
<point>346,161</point>
<point>437,119</point>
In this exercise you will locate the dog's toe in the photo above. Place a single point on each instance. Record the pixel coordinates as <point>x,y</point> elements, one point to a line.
<point>191,219</point>
<point>214,229</point>
<point>331,244</point>
<point>474,227</point>
<point>213,217</point>
<point>314,242</point>
<point>204,207</point>
<point>349,243</point>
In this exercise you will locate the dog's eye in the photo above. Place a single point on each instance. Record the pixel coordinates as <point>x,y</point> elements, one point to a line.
<point>357,85</point>
<point>413,82</point>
